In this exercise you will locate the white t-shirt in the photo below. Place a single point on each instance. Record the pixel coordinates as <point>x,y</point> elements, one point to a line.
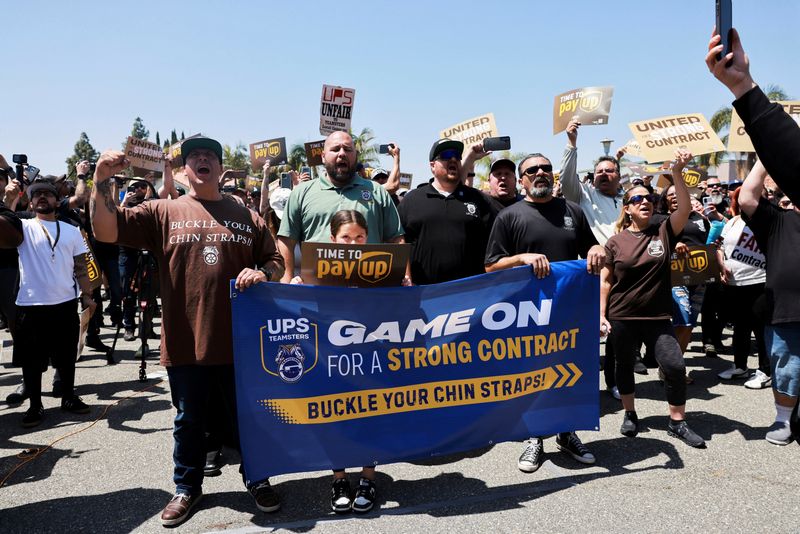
<point>743,258</point>
<point>46,276</point>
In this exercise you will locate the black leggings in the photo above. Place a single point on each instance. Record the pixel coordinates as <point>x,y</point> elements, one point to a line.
<point>741,302</point>
<point>659,337</point>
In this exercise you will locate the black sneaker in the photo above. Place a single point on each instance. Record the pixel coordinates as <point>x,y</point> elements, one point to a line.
<point>95,343</point>
<point>710,350</point>
<point>33,417</point>
<point>129,334</point>
<point>340,496</point>
<point>18,396</point>
<point>531,458</point>
<point>571,444</point>
<point>213,465</point>
<point>630,424</point>
<point>681,430</point>
<point>74,404</point>
<point>365,496</point>
<point>267,500</point>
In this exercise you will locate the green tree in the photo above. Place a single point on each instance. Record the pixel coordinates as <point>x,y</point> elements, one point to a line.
<point>367,150</point>
<point>139,131</point>
<point>236,158</point>
<point>721,123</point>
<point>297,157</point>
<point>484,165</point>
<point>83,151</point>
<point>182,136</point>
<point>158,139</point>
<point>173,137</point>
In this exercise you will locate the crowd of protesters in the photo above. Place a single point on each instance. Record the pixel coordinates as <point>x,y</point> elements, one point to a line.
<point>626,229</point>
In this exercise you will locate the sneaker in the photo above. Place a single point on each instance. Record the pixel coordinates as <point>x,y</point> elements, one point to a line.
<point>571,444</point>
<point>129,335</point>
<point>759,380</point>
<point>340,496</point>
<point>531,458</point>
<point>733,372</point>
<point>365,496</point>
<point>74,404</point>
<point>639,368</point>
<point>178,508</point>
<point>95,343</point>
<point>614,392</point>
<point>681,430</point>
<point>213,467</point>
<point>779,433</point>
<point>18,396</point>
<point>267,500</point>
<point>33,417</point>
<point>630,424</point>
<point>58,390</point>
<point>710,350</point>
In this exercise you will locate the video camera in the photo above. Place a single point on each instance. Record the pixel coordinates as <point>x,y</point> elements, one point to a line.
<point>26,173</point>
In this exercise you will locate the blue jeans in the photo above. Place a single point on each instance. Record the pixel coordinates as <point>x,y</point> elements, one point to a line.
<point>783,344</point>
<point>193,387</point>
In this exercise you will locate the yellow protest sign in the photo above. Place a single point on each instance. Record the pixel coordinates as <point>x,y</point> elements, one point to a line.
<point>659,138</point>
<point>590,105</point>
<point>739,141</point>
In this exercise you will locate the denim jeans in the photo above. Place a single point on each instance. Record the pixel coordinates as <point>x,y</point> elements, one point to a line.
<point>193,387</point>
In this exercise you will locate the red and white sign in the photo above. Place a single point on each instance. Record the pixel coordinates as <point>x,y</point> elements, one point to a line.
<point>336,109</point>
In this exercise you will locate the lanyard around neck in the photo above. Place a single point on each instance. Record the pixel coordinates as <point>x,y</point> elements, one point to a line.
<point>50,240</point>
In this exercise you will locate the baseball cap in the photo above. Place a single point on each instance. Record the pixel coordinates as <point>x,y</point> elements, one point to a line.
<point>440,145</point>
<point>195,143</point>
<point>503,162</point>
<point>278,200</point>
<point>379,172</point>
<point>42,185</point>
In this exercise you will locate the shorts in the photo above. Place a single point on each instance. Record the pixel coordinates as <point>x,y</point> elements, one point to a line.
<point>686,304</point>
<point>783,346</point>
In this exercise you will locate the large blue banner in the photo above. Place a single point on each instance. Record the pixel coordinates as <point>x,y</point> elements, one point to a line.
<point>338,377</point>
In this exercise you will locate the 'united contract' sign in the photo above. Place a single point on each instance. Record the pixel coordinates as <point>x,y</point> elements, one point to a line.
<point>331,377</point>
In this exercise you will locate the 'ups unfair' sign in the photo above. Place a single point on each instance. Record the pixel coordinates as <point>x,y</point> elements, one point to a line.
<point>699,266</point>
<point>590,105</point>
<point>273,150</point>
<point>314,152</point>
<point>471,131</point>
<point>739,141</point>
<point>659,138</point>
<point>335,109</point>
<point>334,264</point>
<point>143,154</point>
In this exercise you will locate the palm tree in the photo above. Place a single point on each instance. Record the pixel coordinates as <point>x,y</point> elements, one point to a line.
<point>721,122</point>
<point>484,165</point>
<point>297,156</point>
<point>367,150</point>
<point>235,158</point>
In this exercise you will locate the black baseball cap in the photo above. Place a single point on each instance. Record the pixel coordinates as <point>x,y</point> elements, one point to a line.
<point>446,144</point>
<point>503,162</point>
<point>195,143</point>
<point>42,185</point>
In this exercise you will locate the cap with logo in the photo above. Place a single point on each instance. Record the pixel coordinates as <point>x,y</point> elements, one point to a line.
<point>440,145</point>
<point>197,143</point>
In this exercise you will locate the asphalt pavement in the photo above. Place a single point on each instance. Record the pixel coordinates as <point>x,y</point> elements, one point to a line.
<point>111,470</point>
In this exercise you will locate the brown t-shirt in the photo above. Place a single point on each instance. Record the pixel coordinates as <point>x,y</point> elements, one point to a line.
<point>641,266</point>
<point>200,246</point>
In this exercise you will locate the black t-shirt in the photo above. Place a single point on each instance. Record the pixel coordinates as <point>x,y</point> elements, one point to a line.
<point>777,232</point>
<point>448,234</point>
<point>8,256</point>
<point>558,229</point>
<point>499,204</point>
<point>694,234</point>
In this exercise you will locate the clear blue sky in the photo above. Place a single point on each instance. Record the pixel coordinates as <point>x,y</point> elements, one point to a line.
<point>247,71</point>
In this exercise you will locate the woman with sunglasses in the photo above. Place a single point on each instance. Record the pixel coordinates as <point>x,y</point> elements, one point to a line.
<point>636,299</point>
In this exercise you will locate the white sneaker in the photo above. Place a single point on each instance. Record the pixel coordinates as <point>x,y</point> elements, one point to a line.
<point>758,381</point>
<point>733,372</point>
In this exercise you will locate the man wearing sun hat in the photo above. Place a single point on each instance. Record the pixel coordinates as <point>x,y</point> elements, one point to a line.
<point>201,240</point>
<point>447,222</point>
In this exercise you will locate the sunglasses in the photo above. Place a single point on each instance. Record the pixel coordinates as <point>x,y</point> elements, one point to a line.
<point>140,186</point>
<point>638,199</point>
<point>449,154</point>
<point>533,169</point>
<point>714,186</point>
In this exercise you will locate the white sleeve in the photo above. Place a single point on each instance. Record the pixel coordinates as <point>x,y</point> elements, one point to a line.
<point>570,184</point>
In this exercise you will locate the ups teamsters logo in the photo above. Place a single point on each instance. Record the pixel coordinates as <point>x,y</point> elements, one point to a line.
<point>697,261</point>
<point>211,255</point>
<point>286,337</point>
<point>655,248</point>
<point>290,360</point>
<point>274,149</point>
<point>691,178</point>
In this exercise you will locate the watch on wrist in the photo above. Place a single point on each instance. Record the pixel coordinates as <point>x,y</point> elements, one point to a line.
<point>267,272</point>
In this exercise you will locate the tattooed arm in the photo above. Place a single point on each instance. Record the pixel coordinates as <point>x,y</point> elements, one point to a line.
<point>102,206</point>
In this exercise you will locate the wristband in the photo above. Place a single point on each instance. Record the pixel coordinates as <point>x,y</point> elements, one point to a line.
<point>267,272</point>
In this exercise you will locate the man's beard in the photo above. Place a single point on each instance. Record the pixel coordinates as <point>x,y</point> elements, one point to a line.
<point>716,198</point>
<point>337,177</point>
<point>45,210</point>
<point>542,191</point>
